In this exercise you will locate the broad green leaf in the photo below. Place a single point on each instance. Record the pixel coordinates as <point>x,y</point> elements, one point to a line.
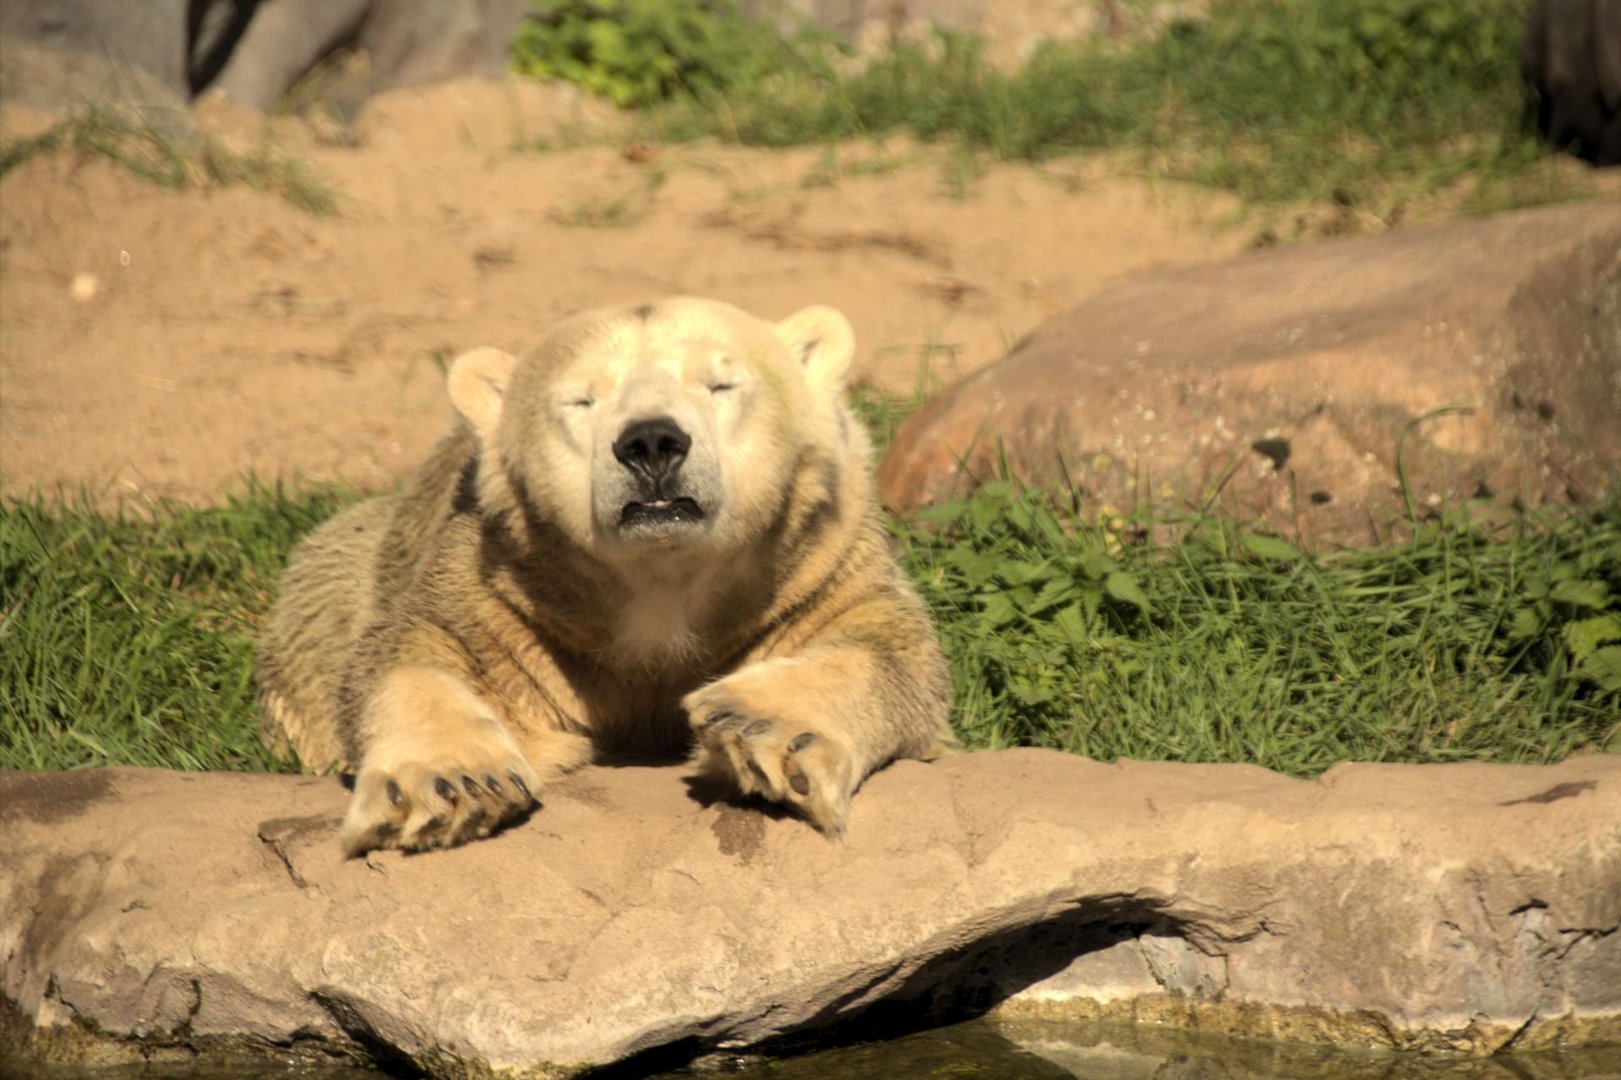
<point>1123,587</point>
<point>1022,572</point>
<point>975,567</point>
<point>997,608</point>
<point>1056,591</point>
<point>1582,592</point>
<point>1095,564</point>
<point>1071,622</point>
<point>1030,694</point>
<point>1269,547</point>
<point>1527,623</point>
<point>1586,635</point>
<point>940,514</point>
<point>985,511</point>
<point>1604,668</point>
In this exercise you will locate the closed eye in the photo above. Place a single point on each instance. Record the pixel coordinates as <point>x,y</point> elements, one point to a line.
<point>721,387</point>
<point>581,403</point>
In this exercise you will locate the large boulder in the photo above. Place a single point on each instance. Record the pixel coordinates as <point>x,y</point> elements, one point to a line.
<point>404,42</point>
<point>254,50</point>
<point>1296,387</point>
<point>1572,65</point>
<point>39,82</point>
<point>1468,907</point>
<point>282,41</point>
<point>112,36</point>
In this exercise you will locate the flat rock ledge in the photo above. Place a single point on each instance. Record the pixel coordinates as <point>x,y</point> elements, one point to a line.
<point>1463,907</point>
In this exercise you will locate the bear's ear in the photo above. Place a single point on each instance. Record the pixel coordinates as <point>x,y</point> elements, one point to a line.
<point>478,385</point>
<point>821,339</point>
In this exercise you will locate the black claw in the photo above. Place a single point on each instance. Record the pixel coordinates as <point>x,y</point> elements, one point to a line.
<point>395,795</point>
<point>444,789</point>
<point>523,788</point>
<point>758,727</point>
<point>799,742</point>
<point>492,784</point>
<point>470,785</point>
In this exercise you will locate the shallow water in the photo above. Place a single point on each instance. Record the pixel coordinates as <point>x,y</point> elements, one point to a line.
<point>1004,1050</point>
<point>1038,1050</point>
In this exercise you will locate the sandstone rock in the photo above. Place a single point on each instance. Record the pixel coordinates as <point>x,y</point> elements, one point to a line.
<point>1480,356</point>
<point>255,49</point>
<point>50,80</point>
<point>1572,63</point>
<point>405,42</point>
<point>282,41</point>
<point>1461,906</point>
<point>110,35</point>
<point>412,42</point>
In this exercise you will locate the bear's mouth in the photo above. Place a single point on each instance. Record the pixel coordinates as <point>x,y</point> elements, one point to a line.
<point>660,512</point>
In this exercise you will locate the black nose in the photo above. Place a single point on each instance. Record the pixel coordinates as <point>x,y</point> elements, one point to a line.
<point>654,448</point>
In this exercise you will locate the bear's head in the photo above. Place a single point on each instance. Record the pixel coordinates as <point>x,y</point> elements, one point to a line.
<point>677,426</point>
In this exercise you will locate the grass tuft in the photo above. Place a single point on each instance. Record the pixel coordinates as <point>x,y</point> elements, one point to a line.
<point>1468,642</point>
<point>130,641</point>
<point>1368,103</point>
<point>171,159</point>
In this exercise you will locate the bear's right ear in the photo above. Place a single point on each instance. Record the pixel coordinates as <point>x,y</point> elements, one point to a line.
<point>478,386</point>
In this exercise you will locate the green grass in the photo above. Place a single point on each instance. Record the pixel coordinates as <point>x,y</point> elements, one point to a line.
<point>168,157</point>
<point>1468,642</point>
<point>1367,102</point>
<point>126,640</point>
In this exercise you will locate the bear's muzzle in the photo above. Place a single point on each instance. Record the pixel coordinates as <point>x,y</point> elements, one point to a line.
<point>654,450</point>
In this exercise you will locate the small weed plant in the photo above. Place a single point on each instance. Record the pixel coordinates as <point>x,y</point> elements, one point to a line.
<point>1226,645</point>
<point>170,157</point>
<point>641,52</point>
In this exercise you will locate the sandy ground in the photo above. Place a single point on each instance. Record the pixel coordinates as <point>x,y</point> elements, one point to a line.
<point>163,344</point>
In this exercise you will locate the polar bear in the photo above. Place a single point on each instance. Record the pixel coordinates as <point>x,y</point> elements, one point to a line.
<point>655,533</point>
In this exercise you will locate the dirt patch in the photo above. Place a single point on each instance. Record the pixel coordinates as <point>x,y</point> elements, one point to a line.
<point>160,343</point>
<point>48,798</point>
<point>165,344</point>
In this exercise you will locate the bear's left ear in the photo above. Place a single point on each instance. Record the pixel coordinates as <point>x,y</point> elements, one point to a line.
<point>821,339</point>
<point>478,387</point>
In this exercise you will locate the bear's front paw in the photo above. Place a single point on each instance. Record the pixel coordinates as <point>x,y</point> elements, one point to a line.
<point>788,762</point>
<point>419,805</point>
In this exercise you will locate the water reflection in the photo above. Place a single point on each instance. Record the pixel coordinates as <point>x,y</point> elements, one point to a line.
<point>1038,1050</point>
<point>1006,1050</point>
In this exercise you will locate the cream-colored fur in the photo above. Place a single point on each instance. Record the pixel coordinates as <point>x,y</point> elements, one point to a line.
<point>654,533</point>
